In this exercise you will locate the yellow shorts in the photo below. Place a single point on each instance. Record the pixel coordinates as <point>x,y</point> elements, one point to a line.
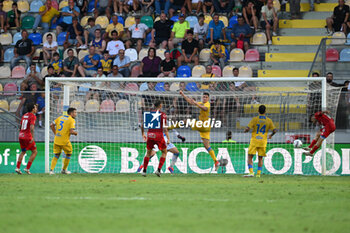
<point>253,149</point>
<point>204,132</point>
<point>68,149</point>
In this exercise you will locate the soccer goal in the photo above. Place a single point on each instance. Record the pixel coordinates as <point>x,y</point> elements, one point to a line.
<point>111,111</point>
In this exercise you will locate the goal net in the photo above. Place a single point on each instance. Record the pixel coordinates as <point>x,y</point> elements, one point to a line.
<point>111,111</point>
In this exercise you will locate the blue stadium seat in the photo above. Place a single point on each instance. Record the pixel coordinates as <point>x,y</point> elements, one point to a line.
<point>148,38</point>
<point>184,72</point>
<point>58,21</point>
<point>345,55</point>
<point>348,40</point>
<point>35,6</point>
<point>61,38</point>
<point>192,20</point>
<point>9,54</point>
<point>120,20</point>
<point>16,37</point>
<point>232,21</point>
<point>36,38</point>
<point>159,87</point>
<point>175,18</point>
<point>91,6</point>
<point>143,87</point>
<point>192,87</point>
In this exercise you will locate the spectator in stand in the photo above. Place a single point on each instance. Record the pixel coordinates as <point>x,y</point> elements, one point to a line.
<point>208,74</point>
<point>258,4</point>
<point>126,6</point>
<point>104,8</point>
<point>161,32</point>
<point>176,5</point>
<point>99,43</point>
<point>96,93</point>
<point>147,7</point>
<point>123,63</point>
<point>208,7</point>
<point>167,66</point>
<point>3,26</point>
<point>115,74</point>
<point>137,34</point>
<point>295,9</point>
<point>162,5</point>
<point>150,64</point>
<point>90,63</point>
<point>50,72</point>
<point>14,17</point>
<point>27,98</point>
<point>224,6</point>
<point>68,13</point>
<point>74,35</point>
<point>200,31</point>
<point>70,64</point>
<point>89,32</point>
<point>240,86</point>
<point>49,48</point>
<point>32,78</point>
<point>241,32</point>
<point>57,63</point>
<point>216,30</point>
<point>83,6</point>
<point>106,63</point>
<point>189,49</point>
<point>269,20</point>
<point>114,45</point>
<point>24,50</point>
<point>179,31</point>
<point>249,14</point>
<point>217,54</point>
<point>339,21</point>
<point>47,14</point>
<point>115,26</point>
<point>329,78</point>
<point>1,53</point>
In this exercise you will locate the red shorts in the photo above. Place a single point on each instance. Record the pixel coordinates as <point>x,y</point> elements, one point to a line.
<point>327,130</point>
<point>155,139</point>
<point>26,145</point>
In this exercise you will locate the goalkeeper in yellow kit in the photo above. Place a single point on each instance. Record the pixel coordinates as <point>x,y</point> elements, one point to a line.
<point>260,127</point>
<point>63,127</point>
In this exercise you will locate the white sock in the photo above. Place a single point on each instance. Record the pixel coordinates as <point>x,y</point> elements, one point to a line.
<point>175,132</point>
<point>173,159</point>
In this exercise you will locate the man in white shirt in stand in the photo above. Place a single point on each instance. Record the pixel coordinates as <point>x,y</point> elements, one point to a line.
<point>114,45</point>
<point>137,34</point>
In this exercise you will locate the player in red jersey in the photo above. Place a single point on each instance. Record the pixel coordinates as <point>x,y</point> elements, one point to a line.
<point>328,127</point>
<point>26,137</point>
<point>156,137</point>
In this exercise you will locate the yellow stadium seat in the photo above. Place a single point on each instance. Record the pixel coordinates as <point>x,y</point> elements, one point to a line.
<point>340,38</point>
<point>228,71</point>
<point>245,71</point>
<point>54,37</point>
<point>204,55</point>
<point>259,38</point>
<point>82,54</point>
<point>84,21</point>
<point>174,87</point>
<point>122,106</point>
<point>6,38</point>
<point>44,71</point>
<point>160,53</point>
<point>282,73</point>
<point>207,19</point>
<point>236,55</point>
<point>198,70</point>
<point>143,53</point>
<point>78,104</point>
<point>14,105</point>
<point>5,72</point>
<point>4,104</point>
<point>23,6</point>
<point>129,21</point>
<point>297,40</point>
<point>65,54</point>
<point>92,106</point>
<point>102,21</point>
<point>63,4</point>
<point>302,23</point>
<point>297,108</point>
<point>277,5</point>
<point>289,57</point>
<point>7,5</point>
<point>1,88</point>
<point>224,20</point>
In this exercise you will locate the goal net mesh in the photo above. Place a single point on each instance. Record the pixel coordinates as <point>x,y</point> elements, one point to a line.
<point>110,114</point>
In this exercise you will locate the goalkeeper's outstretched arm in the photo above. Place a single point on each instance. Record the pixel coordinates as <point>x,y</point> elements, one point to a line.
<point>193,102</point>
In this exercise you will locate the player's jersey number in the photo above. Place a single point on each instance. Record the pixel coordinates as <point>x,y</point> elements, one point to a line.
<point>61,125</point>
<point>261,130</point>
<point>24,124</point>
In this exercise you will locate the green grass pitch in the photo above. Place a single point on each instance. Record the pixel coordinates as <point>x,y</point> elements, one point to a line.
<point>82,203</point>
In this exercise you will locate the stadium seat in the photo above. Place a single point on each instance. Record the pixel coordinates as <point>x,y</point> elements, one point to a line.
<point>207,19</point>
<point>54,4</point>
<point>53,37</point>
<point>192,20</point>
<point>65,54</point>
<point>14,105</point>
<point>174,87</point>
<point>18,72</point>
<point>121,20</point>
<point>91,6</point>
<point>78,104</point>
<point>7,6</point>
<point>345,55</point>
<point>1,89</point>
<point>198,70</point>
<point>131,87</point>
<point>228,71</point>
<point>148,20</point>
<point>6,38</point>
<point>224,20</point>
<point>107,106</point>
<point>36,38</point>
<point>37,69</point>
<point>277,5</point>
<point>102,21</point>
<point>5,72</point>
<point>84,88</point>
<point>135,71</point>
<point>236,55</point>
<point>143,53</point>
<point>129,21</point>
<point>252,55</point>
<point>23,6</point>
<point>61,38</point>
<point>156,19</point>
<point>9,54</point>
<point>297,108</point>
<point>16,37</point>
<point>84,20</point>
<point>232,21</point>
<point>259,38</point>
<point>122,106</point>
<point>4,105</point>
<point>204,55</point>
<point>10,89</point>
<point>92,106</point>
<point>148,39</point>
<point>216,70</point>
<point>35,6</point>
<point>245,71</point>
<point>175,18</point>
<point>131,53</point>
<point>183,71</point>
<point>143,87</point>
<point>36,55</point>
<point>192,86</point>
<point>160,53</point>
<point>339,38</point>
<point>28,22</point>
<point>348,39</point>
<point>44,71</point>
<point>81,55</point>
<point>332,55</point>
<point>58,21</point>
<point>159,87</point>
